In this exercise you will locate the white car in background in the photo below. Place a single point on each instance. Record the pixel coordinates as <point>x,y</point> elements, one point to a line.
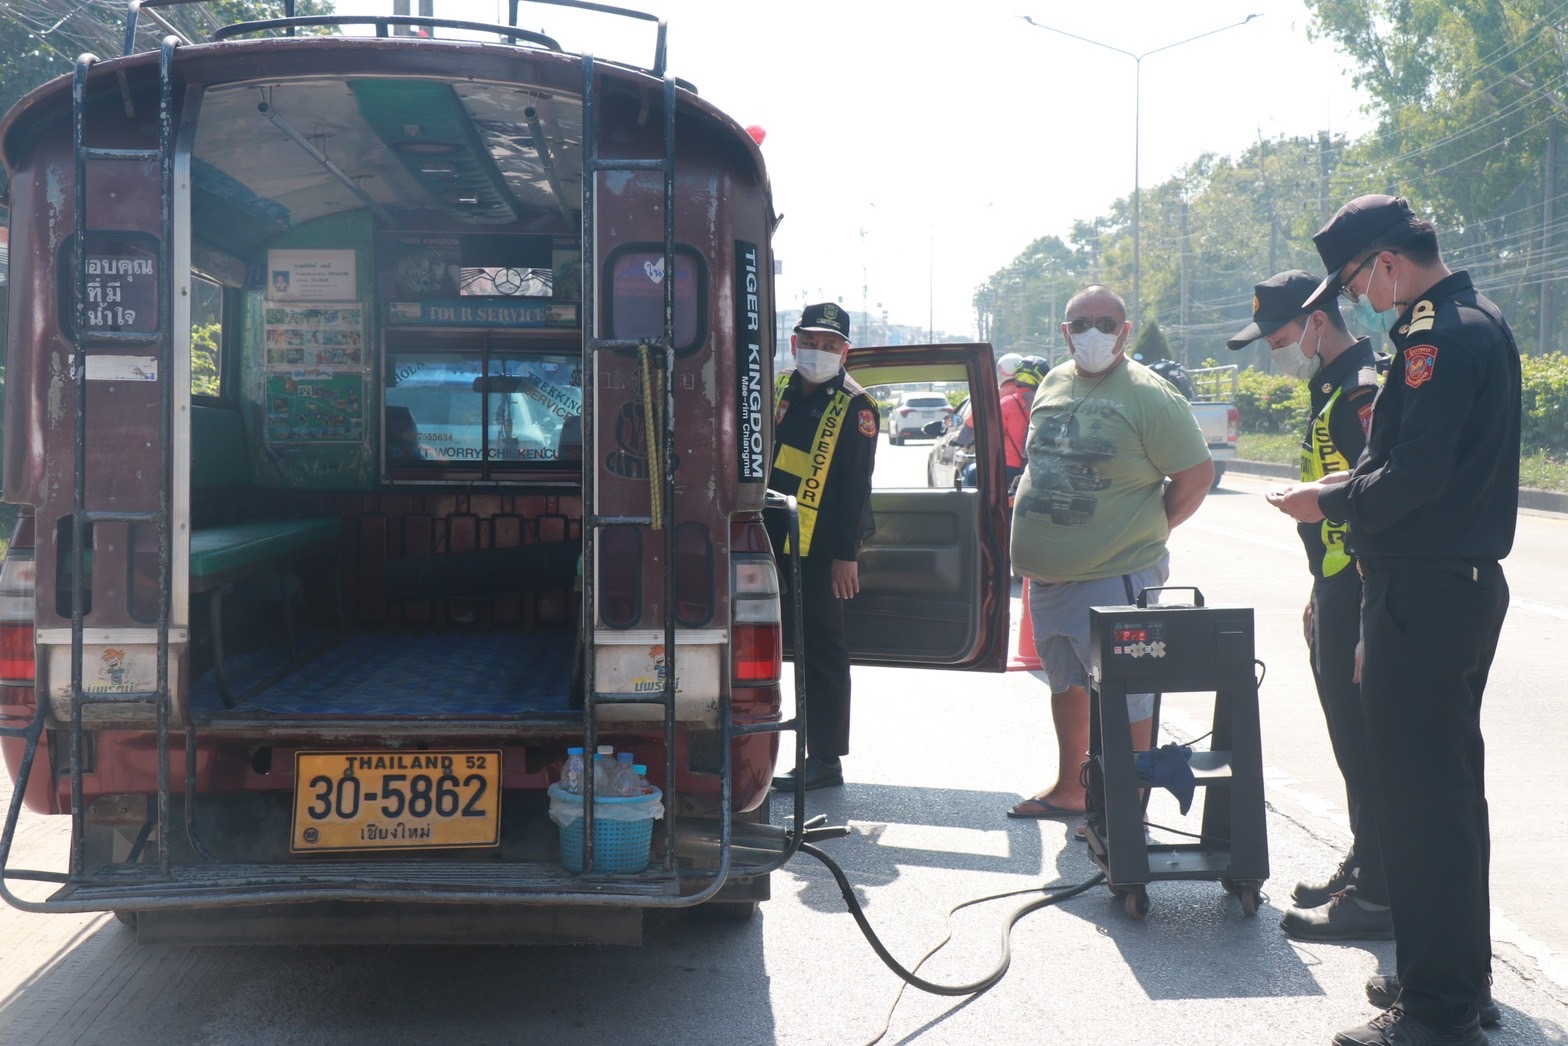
<point>915,410</point>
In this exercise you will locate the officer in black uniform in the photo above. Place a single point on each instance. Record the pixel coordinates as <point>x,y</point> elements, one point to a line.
<point>825,435</point>
<point>1341,371</point>
<point>1431,508</point>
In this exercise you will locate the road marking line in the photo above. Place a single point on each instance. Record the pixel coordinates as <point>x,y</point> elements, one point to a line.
<point>1561,613</point>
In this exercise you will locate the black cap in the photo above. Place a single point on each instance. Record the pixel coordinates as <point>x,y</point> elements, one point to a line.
<point>1275,302</point>
<point>825,317</point>
<point>1359,224</point>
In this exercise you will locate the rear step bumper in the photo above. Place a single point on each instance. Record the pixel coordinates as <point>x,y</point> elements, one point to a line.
<point>138,887</point>
<point>756,849</point>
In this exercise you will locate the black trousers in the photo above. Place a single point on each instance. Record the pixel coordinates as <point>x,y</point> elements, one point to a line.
<point>1431,632</point>
<point>1336,628</point>
<point>827,658</point>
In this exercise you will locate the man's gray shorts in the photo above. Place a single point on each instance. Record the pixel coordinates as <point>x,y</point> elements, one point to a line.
<point>1060,610</point>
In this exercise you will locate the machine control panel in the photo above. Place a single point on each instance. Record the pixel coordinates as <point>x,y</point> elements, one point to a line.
<point>1129,643</point>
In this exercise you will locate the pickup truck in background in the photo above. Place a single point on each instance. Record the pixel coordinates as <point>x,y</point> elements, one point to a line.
<point>1213,398</point>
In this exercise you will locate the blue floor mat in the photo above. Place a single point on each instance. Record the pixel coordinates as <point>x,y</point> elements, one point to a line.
<point>449,675</point>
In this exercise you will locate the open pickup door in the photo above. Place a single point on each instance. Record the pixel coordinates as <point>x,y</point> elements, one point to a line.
<point>935,586</point>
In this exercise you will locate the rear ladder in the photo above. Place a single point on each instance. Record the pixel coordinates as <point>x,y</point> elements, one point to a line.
<point>656,363</point>
<point>82,515</point>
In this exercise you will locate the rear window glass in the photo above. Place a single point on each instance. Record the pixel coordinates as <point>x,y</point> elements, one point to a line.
<point>925,401</point>
<point>460,409</point>
<point>636,295</point>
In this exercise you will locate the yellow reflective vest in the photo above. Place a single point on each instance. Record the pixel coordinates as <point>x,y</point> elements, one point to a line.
<point>811,466</point>
<point>1319,458</point>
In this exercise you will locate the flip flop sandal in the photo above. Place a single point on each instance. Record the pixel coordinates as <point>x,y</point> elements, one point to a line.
<point>1044,811</point>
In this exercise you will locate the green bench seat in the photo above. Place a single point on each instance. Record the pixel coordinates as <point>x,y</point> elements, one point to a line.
<point>220,555</point>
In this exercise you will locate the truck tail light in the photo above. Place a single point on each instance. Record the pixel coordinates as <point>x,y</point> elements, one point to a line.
<point>757,651</point>
<point>1232,425</point>
<point>17,587</point>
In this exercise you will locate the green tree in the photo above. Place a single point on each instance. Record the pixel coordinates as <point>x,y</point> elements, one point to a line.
<point>1021,305</point>
<point>205,340</point>
<point>1468,95</point>
<point>41,39</point>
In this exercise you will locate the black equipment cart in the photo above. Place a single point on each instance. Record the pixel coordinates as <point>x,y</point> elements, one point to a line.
<point>1176,649</point>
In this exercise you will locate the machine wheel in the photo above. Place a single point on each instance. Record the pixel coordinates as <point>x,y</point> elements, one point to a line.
<point>1135,899</point>
<point>893,440</point>
<point>128,918</point>
<point>1219,473</point>
<point>1250,894</point>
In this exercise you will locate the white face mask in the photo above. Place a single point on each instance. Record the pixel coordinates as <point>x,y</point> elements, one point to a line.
<point>1293,361</point>
<point>816,365</point>
<point>1094,349</point>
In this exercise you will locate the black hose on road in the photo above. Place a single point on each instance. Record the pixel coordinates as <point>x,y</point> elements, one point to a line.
<point>909,976</point>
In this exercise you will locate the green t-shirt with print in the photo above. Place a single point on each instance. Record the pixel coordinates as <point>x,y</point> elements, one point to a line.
<point>1091,501</point>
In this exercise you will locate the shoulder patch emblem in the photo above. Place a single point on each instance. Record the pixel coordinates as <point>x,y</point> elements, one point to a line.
<point>868,423</point>
<point>1421,317</point>
<point>1420,362</point>
<point>1364,412</point>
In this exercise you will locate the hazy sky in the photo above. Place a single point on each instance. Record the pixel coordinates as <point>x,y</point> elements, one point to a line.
<point>913,154</point>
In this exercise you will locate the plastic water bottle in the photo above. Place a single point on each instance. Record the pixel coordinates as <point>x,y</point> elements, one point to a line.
<point>572,771</point>
<point>604,771</point>
<point>643,788</point>
<point>625,776</point>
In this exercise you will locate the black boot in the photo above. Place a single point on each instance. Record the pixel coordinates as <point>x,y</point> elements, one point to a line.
<point>1343,918</point>
<point>1310,895</point>
<point>819,773</point>
<point>1383,992</point>
<point>1394,1028</point>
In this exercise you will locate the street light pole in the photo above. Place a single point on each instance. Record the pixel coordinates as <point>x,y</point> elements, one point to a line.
<point>1137,116</point>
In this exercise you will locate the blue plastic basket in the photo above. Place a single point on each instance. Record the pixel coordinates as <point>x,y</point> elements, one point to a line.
<point>618,846</point>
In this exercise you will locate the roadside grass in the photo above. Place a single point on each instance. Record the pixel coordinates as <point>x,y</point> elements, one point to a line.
<point>1536,469</point>
<point>1275,448</point>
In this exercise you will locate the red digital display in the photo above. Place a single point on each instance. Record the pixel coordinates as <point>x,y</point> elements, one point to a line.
<point>1132,635</point>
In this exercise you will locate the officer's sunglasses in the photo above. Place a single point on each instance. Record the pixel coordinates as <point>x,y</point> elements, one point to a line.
<point>1105,325</point>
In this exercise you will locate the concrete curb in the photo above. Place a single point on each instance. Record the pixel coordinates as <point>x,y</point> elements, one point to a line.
<point>1529,497</point>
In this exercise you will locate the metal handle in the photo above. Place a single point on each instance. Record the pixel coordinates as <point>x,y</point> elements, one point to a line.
<point>1143,597</point>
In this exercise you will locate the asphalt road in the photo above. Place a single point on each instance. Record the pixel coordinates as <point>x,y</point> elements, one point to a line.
<point>937,759</point>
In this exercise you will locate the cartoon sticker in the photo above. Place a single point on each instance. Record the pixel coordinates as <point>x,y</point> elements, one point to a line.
<point>1420,361</point>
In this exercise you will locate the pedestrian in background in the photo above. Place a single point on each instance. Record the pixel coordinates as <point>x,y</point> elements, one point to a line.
<point>1015,413</point>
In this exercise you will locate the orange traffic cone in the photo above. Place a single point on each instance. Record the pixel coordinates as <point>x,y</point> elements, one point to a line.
<point>1025,659</point>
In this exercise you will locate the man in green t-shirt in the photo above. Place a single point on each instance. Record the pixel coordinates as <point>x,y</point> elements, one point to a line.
<point>1093,512</point>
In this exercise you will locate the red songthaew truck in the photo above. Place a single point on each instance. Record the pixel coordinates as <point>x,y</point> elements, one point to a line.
<point>388,413</point>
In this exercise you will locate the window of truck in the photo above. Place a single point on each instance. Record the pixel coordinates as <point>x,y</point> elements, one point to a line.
<point>206,336</point>
<point>509,409</point>
<point>635,301</point>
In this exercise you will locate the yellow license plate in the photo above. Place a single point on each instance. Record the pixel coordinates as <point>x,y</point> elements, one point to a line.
<point>395,800</point>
